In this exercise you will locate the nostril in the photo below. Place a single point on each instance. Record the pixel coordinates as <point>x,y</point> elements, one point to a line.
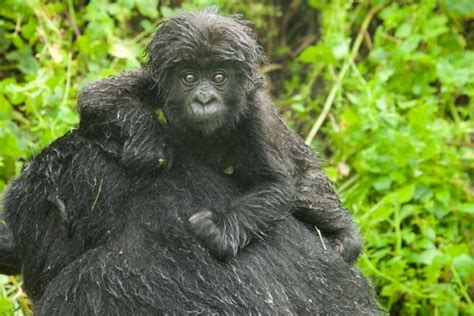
<point>204,98</point>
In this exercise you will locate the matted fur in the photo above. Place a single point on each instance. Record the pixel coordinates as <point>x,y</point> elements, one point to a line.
<point>102,231</point>
<point>281,173</point>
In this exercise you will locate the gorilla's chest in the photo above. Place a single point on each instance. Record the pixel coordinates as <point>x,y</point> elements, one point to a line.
<point>169,199</point>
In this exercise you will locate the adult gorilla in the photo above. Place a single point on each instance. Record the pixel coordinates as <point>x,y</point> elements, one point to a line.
<point>96,240</point>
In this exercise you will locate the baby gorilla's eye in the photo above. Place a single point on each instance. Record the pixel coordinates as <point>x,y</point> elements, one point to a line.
<point>218,77</point>
<point>189,78</point>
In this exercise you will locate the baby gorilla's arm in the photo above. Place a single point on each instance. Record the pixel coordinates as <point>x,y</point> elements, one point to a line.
<point>121,109</point>
<point>263,169</point>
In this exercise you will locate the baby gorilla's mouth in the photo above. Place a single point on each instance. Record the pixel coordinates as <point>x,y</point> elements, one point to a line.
<point>201,112</point>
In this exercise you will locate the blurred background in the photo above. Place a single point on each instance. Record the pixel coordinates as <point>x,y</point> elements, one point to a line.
<point>382,90</point>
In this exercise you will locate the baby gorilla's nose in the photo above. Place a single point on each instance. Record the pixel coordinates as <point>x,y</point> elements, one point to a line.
<point>204,98</point>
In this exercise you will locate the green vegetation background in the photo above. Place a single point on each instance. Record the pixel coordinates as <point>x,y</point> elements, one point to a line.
<point>383,90</point>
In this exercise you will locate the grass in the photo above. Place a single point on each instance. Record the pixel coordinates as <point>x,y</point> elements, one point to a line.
<point>383,90</point>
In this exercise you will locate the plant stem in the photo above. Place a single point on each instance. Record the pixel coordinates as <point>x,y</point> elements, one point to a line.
<point>332,94</point>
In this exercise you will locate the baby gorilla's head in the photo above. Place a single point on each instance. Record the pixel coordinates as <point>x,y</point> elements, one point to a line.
<point>206,67</point>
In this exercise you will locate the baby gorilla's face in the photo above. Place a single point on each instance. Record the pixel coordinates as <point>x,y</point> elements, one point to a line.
<point>206,98</point>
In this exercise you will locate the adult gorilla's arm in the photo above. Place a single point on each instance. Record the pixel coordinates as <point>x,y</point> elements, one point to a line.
<point>121,109</point>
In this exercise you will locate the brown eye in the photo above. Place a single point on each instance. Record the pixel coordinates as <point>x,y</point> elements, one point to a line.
<point>218,77</point>
<point>189,78</point>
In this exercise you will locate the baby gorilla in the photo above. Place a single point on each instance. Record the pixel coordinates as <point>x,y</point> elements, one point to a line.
<point>96,239</point>
<point>204,72</point>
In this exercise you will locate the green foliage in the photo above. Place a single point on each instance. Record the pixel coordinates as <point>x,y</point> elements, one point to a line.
<point>401,131</point>
<point>391,82</point>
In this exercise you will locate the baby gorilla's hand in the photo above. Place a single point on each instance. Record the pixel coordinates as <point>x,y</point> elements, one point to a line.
<point>147,154</point>
<point>203,226</point>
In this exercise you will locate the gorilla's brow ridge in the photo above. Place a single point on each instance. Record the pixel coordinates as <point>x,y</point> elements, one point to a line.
<point>202,35</point>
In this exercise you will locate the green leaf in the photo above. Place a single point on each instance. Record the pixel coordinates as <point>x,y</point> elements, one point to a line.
<point>403,30</point>
<point>462,7</point>
<point>123,50</point>
<point>6,307</point>
<point>410,44</point>
<point>464,265</point>
<point>427,256</point>
<point>148,8</point>
<point>26,62</point>
<point>317,53</point>
<point>467,208</point>
<point>5,109</point>
<point>405,194</point>
<point>382,183</point>
<point>229,170</point>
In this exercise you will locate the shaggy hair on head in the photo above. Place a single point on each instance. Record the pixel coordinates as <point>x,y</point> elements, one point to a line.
<point>207,37</point>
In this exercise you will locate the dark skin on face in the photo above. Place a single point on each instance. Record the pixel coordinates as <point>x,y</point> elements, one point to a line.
<point>205,101</point>
<point>204,73</point>
<point>203,93</point>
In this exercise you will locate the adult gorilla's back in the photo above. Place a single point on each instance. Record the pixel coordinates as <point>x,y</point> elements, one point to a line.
<point>121,245</point>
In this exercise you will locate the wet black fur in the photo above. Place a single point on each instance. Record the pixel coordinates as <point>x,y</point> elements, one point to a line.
<point>124,247</point>
<point>10,263</point>
<point>280,174</point>
<point>101,230</point>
